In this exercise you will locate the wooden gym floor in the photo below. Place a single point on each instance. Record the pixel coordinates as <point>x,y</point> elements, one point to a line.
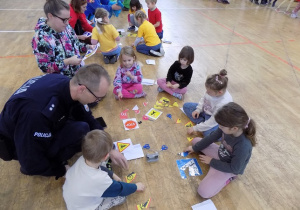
<point>260,50</point>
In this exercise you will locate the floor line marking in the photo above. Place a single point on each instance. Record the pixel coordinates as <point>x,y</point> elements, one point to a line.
<point>248,40</point>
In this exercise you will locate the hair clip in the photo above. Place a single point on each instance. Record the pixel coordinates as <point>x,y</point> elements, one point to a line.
<point>98,20</point>
<point>247,123</point>
<point>218,80</point>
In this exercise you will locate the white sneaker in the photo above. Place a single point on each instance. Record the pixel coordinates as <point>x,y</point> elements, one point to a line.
<point>162,51</point>
<point>155,53</point>
<point>294,15</point>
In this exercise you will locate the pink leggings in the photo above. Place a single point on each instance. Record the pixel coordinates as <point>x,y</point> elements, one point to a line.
<point>163,84</point>
<point>129,90</point>
<point>215,180</point>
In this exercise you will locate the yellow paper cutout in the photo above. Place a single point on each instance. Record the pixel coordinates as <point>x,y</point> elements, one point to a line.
<point>189,124</point>
<point>175,104</point>
<point>158,103</point>
<point>122,146</point>
<point>178,120</point>
<point>130,177</point>
<point>131,35</point>
<point>164,100</point>
<point>143,206</point>
<point>157,107</point>
<point>190,138</point>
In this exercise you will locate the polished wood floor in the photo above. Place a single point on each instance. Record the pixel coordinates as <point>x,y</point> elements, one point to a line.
<point>260,50</point>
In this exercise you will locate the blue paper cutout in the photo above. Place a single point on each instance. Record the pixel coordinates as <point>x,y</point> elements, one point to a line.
<point>192,164</point>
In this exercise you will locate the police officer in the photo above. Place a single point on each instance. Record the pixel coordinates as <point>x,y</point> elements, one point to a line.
<point>43,122</point>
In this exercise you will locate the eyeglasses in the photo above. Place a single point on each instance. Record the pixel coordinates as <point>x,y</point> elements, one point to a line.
<point>97,98</point>
<point>64,20</point>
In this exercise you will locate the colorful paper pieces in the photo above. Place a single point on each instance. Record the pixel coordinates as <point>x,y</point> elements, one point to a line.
<point>135,108</point>
<point>143,206</point>
<point>153,113</point>
<point>130,124</point>
<point>130,177</point>
<point>183,154</point>
<point>122,146</point>
<point>175,104</point>
<point>205,205</point>
<point>164,100</point>
<point>89,53</point>
<point>190,138</point>
<point>191,164</point>
<point>145,117</point>
<point>145,103</point>
<point>124,114</point>
<point>132,151</point>
<point>137,111</point>
<point>169,116</point>
<point>189,124</point>
<point>131,35</point>
<point>157,107</point>
<point>178,121</point>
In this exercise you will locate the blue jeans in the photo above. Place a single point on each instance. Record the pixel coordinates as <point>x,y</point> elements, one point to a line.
<point>113,52</point>
<point>188,108</point>
<point>143,48</point>
<point>161,34</point>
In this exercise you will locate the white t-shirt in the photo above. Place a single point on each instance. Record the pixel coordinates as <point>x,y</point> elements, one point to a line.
<point>84,186</point>
<point>210,105</point>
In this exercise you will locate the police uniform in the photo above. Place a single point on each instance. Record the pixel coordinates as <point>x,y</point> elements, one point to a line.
<point>45,124</point>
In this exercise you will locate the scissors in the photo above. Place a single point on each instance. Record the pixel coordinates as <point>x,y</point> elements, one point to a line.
<point>164,147</point>
<point>146,146</point>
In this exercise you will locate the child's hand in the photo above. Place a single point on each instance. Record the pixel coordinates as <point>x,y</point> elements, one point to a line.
<point>190,130</point>
<point>189,149</point>
<point>140,187</point>
<point>91,47</point>
<point>116,178</point>
<point>74,60</point>
<point>205,159</point>
<point>120,95</point>
<point>128,74</point>
<point>169,85</point>
<point>195,114</point>
<point>175,86</point>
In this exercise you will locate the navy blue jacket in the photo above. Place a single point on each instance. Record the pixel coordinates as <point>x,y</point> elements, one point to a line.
<point>33,115</point>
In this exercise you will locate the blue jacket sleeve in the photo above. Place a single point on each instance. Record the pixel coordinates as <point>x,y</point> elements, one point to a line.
<point>110,173</point>
<point>119,189</point>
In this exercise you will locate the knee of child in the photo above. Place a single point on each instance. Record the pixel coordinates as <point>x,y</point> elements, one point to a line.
<point>204,191</point>
<point>195,140</point>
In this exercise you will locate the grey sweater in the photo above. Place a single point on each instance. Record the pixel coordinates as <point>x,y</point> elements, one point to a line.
<point>234,152</point>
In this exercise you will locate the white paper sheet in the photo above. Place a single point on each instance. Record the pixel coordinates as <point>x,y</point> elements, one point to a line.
<point>150,62</point>
<point>147,81</point>
<point>205,205</point>
<point>134,152</point>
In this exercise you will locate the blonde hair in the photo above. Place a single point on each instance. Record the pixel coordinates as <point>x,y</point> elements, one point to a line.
<point>127,50</point>
<point>96,145</point>
<point>140,14</point>
<point>101,13</point>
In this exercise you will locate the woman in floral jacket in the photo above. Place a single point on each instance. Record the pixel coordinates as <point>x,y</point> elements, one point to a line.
<point>55,44</point>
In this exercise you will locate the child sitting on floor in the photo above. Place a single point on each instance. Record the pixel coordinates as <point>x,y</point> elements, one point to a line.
<point>216,96</point>
<point>91,186</point>
<point>107,35</point>
<point>147,40</point>
<point>179,74</point>
<point>129,76</point>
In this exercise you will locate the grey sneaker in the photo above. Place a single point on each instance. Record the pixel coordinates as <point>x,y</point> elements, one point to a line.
<point>162,51</point>
<point>155,53</point>
<point>159,89</point>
